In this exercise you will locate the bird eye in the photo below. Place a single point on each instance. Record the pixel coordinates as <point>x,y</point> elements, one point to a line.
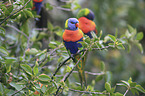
<point>72,22</point>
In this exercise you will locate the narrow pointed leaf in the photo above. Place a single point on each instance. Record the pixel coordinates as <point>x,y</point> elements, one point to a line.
<point>141,89</point>
<point>27,68</point>
<point>139,36</point>
<point>108,87</point>
<point>43,77</point>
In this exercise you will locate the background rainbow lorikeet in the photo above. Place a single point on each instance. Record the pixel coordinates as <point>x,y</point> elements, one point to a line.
<point>37,6</point>
<point>86,24</point>
<point>71,38</point>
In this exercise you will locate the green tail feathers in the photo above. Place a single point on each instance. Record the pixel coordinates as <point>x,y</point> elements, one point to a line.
<point>80,68</point>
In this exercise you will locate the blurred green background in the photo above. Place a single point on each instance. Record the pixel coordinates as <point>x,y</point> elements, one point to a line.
<point>112,15</point>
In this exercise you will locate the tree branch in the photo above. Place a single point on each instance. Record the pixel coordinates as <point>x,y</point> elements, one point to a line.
<point>18,91</point>
<point>61,64</point>
<point>68,74</point>
<point>126,92</point>
<point>90,73</point>
<point>65,9</point>
<point>86,92</point>
<point>17,30</point>
<point>14,13</point>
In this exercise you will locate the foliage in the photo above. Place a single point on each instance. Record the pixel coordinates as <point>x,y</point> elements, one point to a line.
<point>29,68</point>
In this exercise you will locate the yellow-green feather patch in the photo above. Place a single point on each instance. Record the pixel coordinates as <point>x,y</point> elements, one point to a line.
<point>86,11</point>
<point>66,23</point>
<point>83,12</point>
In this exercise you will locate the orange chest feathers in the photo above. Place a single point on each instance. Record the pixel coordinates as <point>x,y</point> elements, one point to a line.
<point>73,36</point>
<point>86,25</point>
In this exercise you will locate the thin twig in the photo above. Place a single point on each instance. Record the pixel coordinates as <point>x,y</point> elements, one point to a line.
<point>65,9</point>
<point>17,30</point>
<point>126,92</point>
<point>61,64</point>
<point>60,46</point>
<point>87,92</point>
<point>41,29</point>
<point>66,77</point>
<point>14,12</point>
<point>18,91</point>
<point>90,73</point>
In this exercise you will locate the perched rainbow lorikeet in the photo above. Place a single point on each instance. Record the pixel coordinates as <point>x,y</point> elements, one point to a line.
<point>71,38</point>
<point>37,5</point>
<point>86,24</point>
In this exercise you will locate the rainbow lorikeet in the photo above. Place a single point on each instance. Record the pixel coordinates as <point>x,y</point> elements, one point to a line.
<point>37,5</point>
<point>86,24</point>
<point>71,38</point>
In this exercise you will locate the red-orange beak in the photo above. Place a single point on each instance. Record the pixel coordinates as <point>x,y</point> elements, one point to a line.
<point>77,24</point>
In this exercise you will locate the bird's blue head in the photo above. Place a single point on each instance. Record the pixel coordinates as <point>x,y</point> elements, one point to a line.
<point>71,24</point>
<point>86,13</point>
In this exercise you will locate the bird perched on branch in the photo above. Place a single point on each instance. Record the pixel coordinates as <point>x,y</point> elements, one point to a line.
<point>86,24</point>
<point>71,38</point>
<point>37,5</point>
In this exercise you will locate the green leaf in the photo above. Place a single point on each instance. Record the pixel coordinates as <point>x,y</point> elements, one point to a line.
<point>67,6</point>
<point>49,26</point>
<point>140,47</point>
<point>108,87</point>
<point>43,77</point>
<point>127,34</point>
<point>33,51</point>
<point>40,53</point>
<point>106,38</point>
<point>116,33</point>
<point>141,89</point>
<point>108,76</point>
<point>42,57</point>
<point>29,13</point>
<point>68,69</point>
<point>102,66</point>
<point>27,68</point>
<point>48,6</point>
<point>121,84</point>
<point>133,90</point>
<point>35,69</point>
<point>52,90</point>
<point>111,44</point>
<point>132,31</point>
<point>1,87</point>
<point>112,38</point>
<point>10,60</point>
<point>118,94</point>
<point>99,77</point>
<point>113,89</point>
<point>2,32</point>
<point>130,80</point>
<point>4,51</point>
<point>77,6</point>
<point>25,27</point>
<point>16,86</point>
<point>101,32</point>
<point>43,89</point>
<point>8,68</point>
<point>139,36</point>
<point>41,35</point>
<point>120,46</point>
<point>133,84</point>
<point>125,82</point>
